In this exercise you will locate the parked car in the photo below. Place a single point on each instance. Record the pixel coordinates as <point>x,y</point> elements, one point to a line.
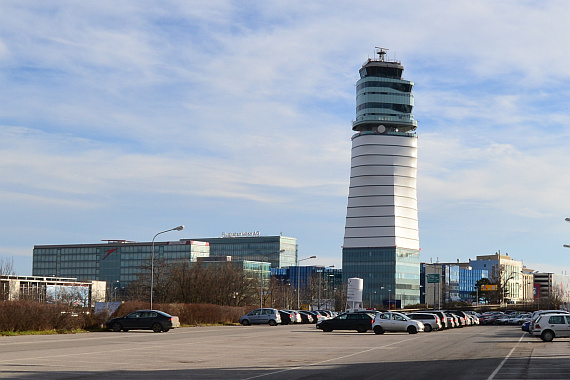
<point>431,321</point>
<point>519,319</point>
<point>491,318</point>
<point>446,322</point>
<point>320,315</point>
<point>307,317</point>
<point>548,326</point>
<point>536,315</point>
<point>462,315</point>
<point>286,317</point>
<point>360,322</point>
<point>154,320</point>
<point>474,316</point>
<point>268,316</point>
<point>296,316</point>
<point>525,326</point>
<point>394,321</point>
<point>455,320</point>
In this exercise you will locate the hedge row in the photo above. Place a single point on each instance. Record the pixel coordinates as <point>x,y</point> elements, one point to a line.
<point>18,316</point>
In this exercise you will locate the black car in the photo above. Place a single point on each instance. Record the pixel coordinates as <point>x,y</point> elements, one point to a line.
<point>307,317</point>
<point>154,320</point>
<point>360,322</point>
<point>286,317</point>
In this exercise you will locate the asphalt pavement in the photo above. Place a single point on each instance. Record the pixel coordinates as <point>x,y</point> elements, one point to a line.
<point>286,352</point>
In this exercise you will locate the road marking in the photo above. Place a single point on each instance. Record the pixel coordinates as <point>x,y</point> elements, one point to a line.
<point>505,359</point>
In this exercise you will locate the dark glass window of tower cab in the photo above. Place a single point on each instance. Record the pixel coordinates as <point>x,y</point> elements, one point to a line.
<point>381,71</point>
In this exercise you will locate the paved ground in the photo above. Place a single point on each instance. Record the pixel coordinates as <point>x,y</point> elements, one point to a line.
<point>286,352</point>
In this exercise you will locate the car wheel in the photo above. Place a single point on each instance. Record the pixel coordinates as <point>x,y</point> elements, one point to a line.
<point>361,328</point>
<point>117,327</point>
<point>245,322</point>
<point>412,330</point>
<point>547,336</point>
<point>272,323</point>
<point>157,327</point>
<point>428,328</point>
<point>326,327</point>
<point>165,330</point>
<point>378,330</point>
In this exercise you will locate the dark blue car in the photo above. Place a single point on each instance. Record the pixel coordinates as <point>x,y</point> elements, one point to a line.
<point>525,326</point>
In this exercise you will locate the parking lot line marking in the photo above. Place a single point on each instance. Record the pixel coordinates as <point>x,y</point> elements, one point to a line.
<point>505,359</point>
<point>326,361</point>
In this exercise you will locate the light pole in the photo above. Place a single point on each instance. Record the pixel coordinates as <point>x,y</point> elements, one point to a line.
<point>261,275</point>
<point>298,282</point>
<point>320,281</point>
<point>179,228</point>
<point>567,245</point>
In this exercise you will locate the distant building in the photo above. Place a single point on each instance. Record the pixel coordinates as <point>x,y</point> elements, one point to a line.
<point>550,289</point>
<point>506,271</point>
<point>449,282</point>
<point>119,262</point>
<point>52,290</point>
<point>243,246</point>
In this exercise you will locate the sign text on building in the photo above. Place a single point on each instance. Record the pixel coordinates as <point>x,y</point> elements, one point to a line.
<point>240,234</point>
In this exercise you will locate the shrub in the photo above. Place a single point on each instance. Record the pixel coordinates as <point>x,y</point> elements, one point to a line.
<point>35,316</point>
<point>190,314</point>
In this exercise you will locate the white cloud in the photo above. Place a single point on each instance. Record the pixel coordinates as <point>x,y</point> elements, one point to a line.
<point>115,105</point>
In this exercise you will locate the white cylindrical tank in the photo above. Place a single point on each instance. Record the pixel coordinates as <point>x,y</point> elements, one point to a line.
<point>354,290</point>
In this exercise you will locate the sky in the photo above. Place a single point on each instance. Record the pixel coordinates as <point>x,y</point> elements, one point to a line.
<point>121,119</point>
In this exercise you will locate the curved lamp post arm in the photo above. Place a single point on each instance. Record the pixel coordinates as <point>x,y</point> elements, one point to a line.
<point>179,228</point>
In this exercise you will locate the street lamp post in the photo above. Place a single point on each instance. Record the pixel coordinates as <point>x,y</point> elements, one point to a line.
<point>298,282</point>
<point>567,245</point>
<point>261,275</point>
<point>179,228</point>
<point>320,281</point>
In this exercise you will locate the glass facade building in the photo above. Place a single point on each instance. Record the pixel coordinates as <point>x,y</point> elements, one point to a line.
<point>119,262</point>
<point>381,240</point>
<point>467,282</point>
<point>256,248</point>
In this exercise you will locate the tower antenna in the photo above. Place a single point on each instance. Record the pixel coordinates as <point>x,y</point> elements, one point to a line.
<point>381,53</point>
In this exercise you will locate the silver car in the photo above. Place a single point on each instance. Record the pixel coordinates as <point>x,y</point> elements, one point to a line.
<point>394,321</point>
<point>261,316</point>
<point>549,326</point>
<point>431,321</point>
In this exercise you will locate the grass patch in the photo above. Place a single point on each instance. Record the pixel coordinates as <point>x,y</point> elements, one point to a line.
<point>42,332</point>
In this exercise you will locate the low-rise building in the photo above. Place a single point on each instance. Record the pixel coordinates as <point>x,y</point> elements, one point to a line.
<point>52,290</point>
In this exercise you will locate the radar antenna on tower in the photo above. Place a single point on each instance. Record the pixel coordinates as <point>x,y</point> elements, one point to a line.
<point>381,53</point>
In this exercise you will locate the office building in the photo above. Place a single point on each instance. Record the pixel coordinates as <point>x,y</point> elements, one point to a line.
<point>280,251</point>
<point>381,241</point>
<point>119,262</point>
<point>503,270</point>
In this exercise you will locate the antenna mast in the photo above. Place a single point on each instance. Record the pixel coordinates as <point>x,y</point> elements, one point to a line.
<point>381,53</point>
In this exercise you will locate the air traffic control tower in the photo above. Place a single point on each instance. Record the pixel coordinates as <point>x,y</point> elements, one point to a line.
<point>381,238</point>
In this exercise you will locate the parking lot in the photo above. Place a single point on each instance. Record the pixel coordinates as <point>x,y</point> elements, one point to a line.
<point>286,352</point>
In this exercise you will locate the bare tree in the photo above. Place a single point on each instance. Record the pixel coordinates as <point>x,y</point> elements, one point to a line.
<point>7,266</point>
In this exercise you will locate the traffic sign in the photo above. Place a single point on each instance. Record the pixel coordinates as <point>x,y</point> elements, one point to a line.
<point>433,278</point>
